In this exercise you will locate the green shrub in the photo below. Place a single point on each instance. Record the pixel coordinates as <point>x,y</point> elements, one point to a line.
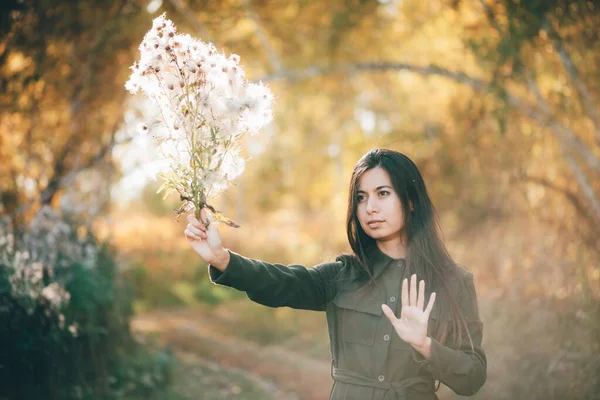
<point>209,293</point>
<point>151,290</point>
<point>64,318</point>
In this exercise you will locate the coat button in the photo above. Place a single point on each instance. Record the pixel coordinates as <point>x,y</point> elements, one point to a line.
<point>381,378</point>
<point>386,337</point>
<point>392,299</point>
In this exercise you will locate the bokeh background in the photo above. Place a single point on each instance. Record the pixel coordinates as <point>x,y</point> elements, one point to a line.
<point>496,101</point>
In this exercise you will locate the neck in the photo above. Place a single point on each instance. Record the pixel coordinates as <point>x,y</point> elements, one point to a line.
<point>392,248</point>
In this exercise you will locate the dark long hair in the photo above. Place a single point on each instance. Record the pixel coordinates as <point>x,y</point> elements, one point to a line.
<point>426,254</point>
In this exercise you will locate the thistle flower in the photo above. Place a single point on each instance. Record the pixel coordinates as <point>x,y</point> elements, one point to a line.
<point>206,107</point>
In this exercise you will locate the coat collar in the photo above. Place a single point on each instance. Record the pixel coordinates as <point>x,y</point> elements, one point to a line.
<point>380,261</point>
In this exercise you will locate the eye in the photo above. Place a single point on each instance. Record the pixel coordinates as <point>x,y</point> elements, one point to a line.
<point>384,193</point>
<point>360,197</point>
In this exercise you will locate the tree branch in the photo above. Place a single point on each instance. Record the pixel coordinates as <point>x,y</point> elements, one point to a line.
<point>295,75</point>
<point>262,36</point>
<point>190,17</point>
<point>587,100</point>
<point>567,139</point>
<point>588,191</point>
<point>491,16</point>
<point>59,161</point>
<point>563,134</point>
<point>540,114</point>
<point>571,196</point>
<point>63,181</point>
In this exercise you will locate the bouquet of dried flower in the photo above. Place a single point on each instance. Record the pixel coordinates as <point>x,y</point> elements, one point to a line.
<point>206,107</point>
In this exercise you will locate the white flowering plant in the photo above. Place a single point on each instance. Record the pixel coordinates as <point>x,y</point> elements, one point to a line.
<point>61,294</point>
<point>36,264</point>
<point>206,107</point>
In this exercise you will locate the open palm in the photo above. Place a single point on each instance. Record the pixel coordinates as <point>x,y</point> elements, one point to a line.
<point>414,318</point>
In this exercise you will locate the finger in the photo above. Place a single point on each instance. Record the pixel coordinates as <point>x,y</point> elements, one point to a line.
<point>413,290</point>
<point>430,304</point>
<point>404,293</point>
<point>204,216</point>
<point>194,221</point>
<point>389,313</point>
<point>421,295</point>
<point>213,238</point>
<point>191,235</point>
<point>190,227</point>
<point>201,235</point>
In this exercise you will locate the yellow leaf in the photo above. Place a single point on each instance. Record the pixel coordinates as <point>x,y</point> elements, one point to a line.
<point>161,188</point>
<point>168,192</point>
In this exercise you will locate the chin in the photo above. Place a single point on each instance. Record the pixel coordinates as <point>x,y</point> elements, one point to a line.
<point>376,235</point>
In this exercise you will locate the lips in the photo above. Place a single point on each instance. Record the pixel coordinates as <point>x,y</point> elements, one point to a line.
<point>374,223</point>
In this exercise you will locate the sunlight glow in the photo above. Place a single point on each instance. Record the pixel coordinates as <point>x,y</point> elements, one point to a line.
<point>153,6</point>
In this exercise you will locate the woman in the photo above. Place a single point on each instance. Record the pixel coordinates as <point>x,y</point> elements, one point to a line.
<point>393,232</point>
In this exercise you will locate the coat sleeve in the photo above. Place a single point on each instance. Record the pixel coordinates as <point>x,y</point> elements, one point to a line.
<point>464,370</point>
<point>277,285</point>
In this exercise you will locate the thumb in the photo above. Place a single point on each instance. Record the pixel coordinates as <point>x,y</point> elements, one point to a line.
<point>389,313</point>
<point>213,238</point>
<point>203,215</point>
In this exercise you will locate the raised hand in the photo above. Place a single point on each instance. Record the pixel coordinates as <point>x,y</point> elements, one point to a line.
<point>206,241</point>
<point>412,324</point>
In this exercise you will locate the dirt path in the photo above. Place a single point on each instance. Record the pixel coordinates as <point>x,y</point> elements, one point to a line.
<point>285,374</point>
<point>197,337</point>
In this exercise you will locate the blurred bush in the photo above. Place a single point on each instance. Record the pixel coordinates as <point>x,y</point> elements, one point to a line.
<point>551,351</point>
<point>64,318</point>
<point>156,288</point>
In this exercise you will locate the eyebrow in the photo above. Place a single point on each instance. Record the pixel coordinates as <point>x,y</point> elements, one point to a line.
<point>378,188</point>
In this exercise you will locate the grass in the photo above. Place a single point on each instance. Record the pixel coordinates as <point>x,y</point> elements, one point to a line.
<point>191,377</point>
<point>196,379</point>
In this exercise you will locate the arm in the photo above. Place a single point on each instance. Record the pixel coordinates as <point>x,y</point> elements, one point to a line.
<point>464,370</point>
<point>277,285</point>
<point>273,285</point>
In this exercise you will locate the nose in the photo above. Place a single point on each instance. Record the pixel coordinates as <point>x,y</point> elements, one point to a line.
<point>371,206</point>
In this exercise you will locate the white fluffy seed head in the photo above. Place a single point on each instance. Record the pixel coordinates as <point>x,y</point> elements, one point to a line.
<point>206,106</point>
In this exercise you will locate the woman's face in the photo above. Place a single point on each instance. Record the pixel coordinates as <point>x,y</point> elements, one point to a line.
<point>379,209</point>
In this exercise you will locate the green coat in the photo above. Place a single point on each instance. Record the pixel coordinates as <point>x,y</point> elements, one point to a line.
<point>370,361</point>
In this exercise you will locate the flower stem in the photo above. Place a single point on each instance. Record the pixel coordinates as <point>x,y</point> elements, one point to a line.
<point>199,204</point>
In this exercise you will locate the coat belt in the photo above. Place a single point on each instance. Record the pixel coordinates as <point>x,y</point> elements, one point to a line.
<point>396,390</point>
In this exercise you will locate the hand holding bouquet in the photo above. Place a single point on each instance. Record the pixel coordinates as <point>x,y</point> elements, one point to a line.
<point>205,105</point>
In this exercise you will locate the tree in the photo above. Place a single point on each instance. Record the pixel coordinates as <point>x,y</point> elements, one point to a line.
<point>61,93</point>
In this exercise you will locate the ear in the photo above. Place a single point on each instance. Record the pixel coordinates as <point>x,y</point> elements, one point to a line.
<point>412,208</point>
